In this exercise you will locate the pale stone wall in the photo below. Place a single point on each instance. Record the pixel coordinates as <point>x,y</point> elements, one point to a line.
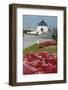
<point>45,28</point>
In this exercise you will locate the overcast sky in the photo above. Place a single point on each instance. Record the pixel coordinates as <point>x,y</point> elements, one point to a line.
<point>33,20</point>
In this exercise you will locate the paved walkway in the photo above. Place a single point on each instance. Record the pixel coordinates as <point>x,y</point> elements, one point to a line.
<point>29,40</point>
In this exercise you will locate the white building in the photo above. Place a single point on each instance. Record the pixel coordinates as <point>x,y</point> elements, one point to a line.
<point>42,27</point>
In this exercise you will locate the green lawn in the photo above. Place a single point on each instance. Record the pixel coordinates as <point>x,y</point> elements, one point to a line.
<point>35,48</point>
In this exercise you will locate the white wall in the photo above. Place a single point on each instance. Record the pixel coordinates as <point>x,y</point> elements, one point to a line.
<point>45,28</point>
<point>4,47</point>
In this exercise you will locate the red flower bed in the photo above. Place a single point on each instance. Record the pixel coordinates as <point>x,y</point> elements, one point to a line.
<point>40,63</point>
<point>48,42</point>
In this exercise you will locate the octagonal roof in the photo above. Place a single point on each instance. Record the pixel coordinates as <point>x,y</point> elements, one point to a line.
<point>42,23</point>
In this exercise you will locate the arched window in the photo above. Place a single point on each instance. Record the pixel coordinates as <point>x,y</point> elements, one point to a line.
<point>42,29</point>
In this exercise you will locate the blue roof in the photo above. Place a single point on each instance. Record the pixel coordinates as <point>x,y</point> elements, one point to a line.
<point>42,23</point>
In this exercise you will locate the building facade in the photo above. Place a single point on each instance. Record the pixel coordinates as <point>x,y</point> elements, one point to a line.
<point>42,27</point>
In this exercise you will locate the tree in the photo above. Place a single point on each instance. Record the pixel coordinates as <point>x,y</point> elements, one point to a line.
<point>54,34</point>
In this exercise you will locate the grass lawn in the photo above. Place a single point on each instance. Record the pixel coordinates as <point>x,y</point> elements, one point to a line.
<point>35,48</point>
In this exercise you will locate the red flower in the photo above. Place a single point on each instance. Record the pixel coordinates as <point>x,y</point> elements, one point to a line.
<point>49,42</point>
<point>40,63</point>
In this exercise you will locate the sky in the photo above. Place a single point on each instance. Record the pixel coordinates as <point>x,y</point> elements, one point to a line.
<point>33,20</point>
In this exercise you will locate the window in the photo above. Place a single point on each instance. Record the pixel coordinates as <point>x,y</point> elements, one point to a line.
<point>42,29</point>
